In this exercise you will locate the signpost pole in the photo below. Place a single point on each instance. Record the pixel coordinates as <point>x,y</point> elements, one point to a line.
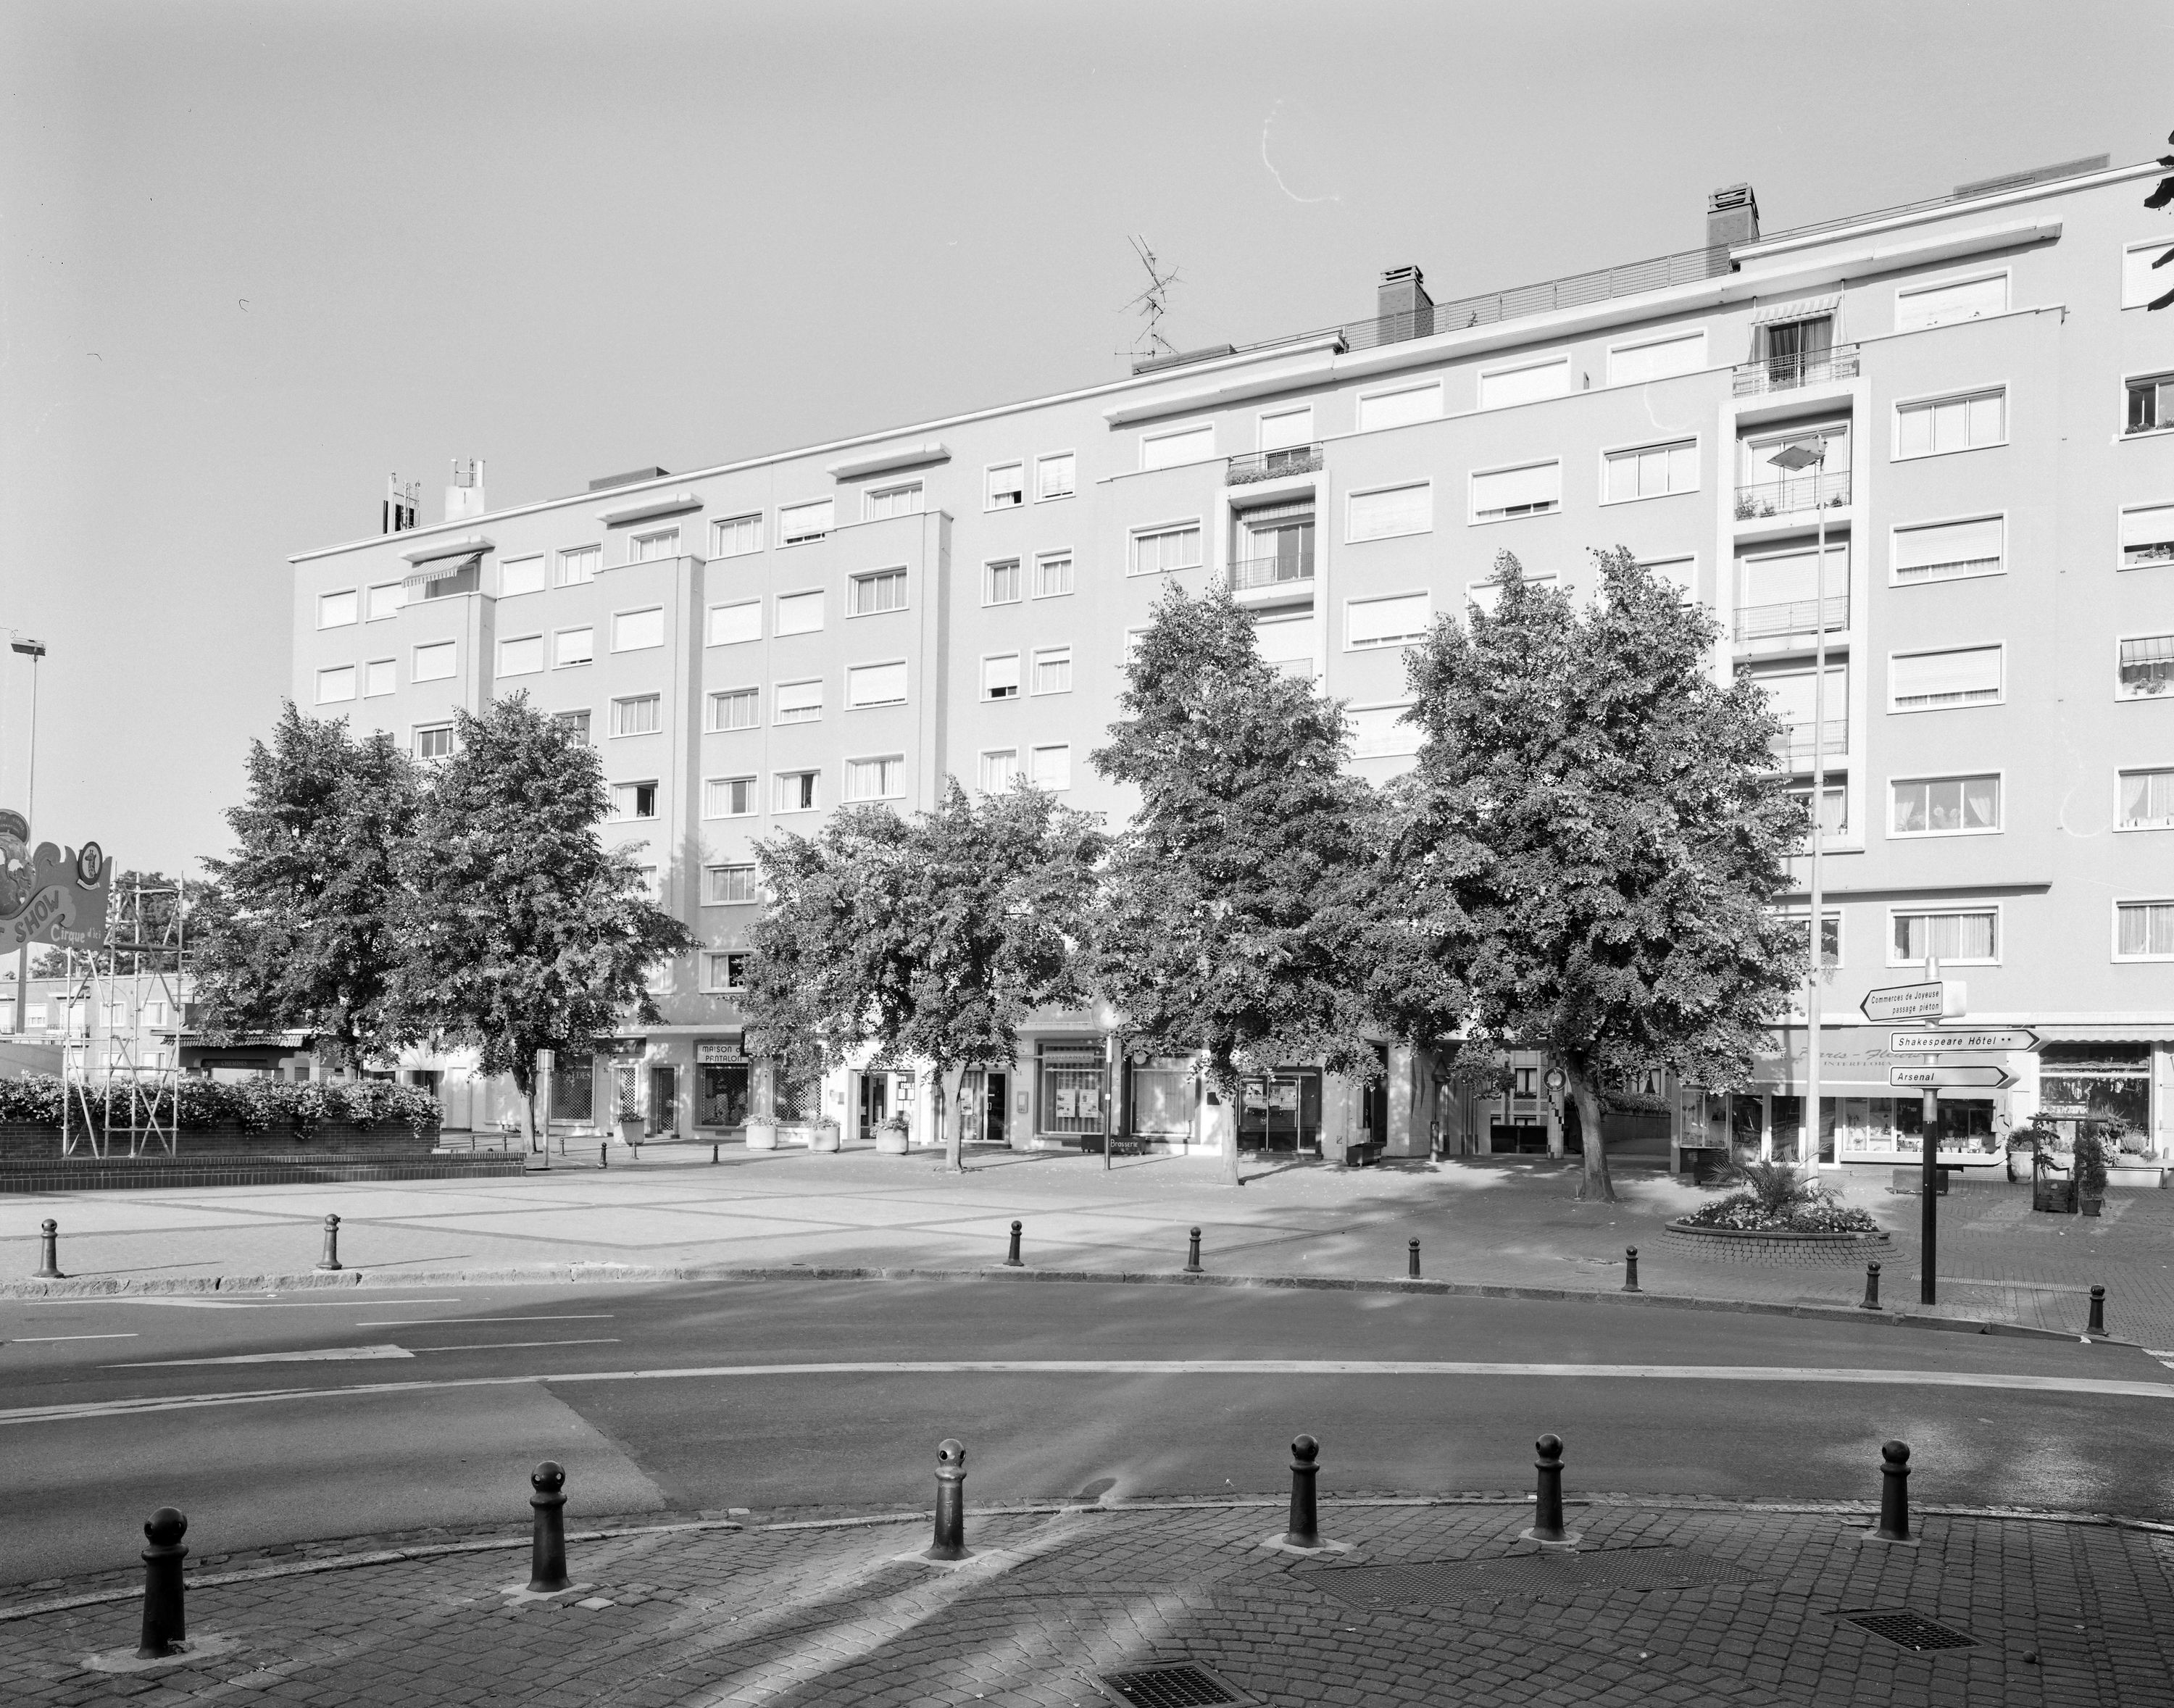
<point>1929,1181</point>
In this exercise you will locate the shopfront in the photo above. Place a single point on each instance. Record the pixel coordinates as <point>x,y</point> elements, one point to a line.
<point>723,1083</point>
<point>2108,1081</point>
<point>1164,1098</point>
<point>1281,1112</point>
<point>1071,1103</point>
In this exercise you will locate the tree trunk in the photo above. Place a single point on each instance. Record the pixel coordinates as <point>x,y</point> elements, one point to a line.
<point>525,1083</point>
<point>1223,1076</point>
<point>1593,1183</point>
<point>955,1158</point>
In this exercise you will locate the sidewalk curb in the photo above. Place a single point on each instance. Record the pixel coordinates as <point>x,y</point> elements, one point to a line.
<point>396,1556</point>
<point>574,1273</point>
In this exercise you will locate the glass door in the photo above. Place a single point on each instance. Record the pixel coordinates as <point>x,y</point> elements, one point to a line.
<point>1797,351</point>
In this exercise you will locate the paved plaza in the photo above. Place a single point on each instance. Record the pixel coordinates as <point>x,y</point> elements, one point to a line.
<point>1511,1222</point>
<point>1435,1602</point>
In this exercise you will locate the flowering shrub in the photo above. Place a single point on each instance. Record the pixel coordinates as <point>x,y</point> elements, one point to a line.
<point>1743,1211</point>
<point>255,1104</point>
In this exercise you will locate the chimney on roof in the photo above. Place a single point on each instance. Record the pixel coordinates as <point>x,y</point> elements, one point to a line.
<point>1731,217</point>
<point>464,497</point>
<point>1402,305</point>
<point>401,504</point>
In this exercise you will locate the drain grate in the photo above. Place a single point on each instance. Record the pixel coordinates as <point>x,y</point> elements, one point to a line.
<point>1181,1684</point>
<point>1912,1631</point>
<point>1453,1582</point>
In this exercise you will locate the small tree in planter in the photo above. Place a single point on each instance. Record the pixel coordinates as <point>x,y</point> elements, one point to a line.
<point>2094,1138</point>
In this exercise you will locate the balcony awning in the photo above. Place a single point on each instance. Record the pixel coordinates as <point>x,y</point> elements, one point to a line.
<point>443,570</point>
<point>1803,308</point>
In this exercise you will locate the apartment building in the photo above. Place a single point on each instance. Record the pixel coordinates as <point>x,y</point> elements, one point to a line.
<point>751,644</point>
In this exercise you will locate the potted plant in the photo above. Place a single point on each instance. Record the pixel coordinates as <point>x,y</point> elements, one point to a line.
<point>823,1133</point>
<point>891,1136</point>
<point>2091,1166</point>
<point>2024,1154</point>
<point>761,1133</point>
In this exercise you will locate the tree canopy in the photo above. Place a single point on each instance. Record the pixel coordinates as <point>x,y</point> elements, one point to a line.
<point>1233,911</point>
<point>1589,855</point>
<point>520,931</point>
<point>932,938</point>
<point>298,927</point>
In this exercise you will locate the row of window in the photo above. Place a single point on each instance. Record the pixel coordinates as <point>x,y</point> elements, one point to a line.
<point>1972,805</point>
<point>1944,678</point>
<point>1967,937</point>
<point>880,777</point>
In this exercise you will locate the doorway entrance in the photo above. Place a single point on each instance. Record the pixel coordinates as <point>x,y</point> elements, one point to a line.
<point>1282,1112</point>
<point>981,1105</point>
<point>665,1099</point>
<point>872,1107</point>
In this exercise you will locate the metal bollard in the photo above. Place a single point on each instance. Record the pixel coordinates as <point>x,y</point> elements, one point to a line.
<point>1013,1262</point>
<point>1412,1260</point>
<point>1192,1255</point>
<point>1894,1494</point>
<point>49,1250</point>
<point>166,1624</point>
<point>1631,1270</point>
<point>603,1155</point>
<point>547,1546</point>
<point>1871,1300</point>
<point>713,1151</point>
<point>1305,1530</point>
<point>950,1539</point>
<point>1548,1509</point>
<point>2097,1325</point>
<point>331,1259</point>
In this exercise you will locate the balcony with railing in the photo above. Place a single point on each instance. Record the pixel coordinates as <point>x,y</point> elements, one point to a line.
<point>1785,373</point>
<point>1795,497</point>
<point>1791,617</point>
<point>1793,746</point>
<point>1248,574</point>
<point>1272,465</point>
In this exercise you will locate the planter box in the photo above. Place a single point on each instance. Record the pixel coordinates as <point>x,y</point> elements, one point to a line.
<point>2055,1197</point>
<point>1774,1247</point>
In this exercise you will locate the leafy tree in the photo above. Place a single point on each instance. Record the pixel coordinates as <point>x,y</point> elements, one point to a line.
<point>933,940</point>
<point>1589,854</point>
<point>1233,908</point>
<point>521,932</point>
<point>297,929</point>
<point>2162,196</point>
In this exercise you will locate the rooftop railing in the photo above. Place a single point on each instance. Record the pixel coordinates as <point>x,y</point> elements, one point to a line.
<point>1272,465</point>
<point>1572,290</point>
<point>1270,572</point>
<point>1790,497</point>
<point>1785,373</point>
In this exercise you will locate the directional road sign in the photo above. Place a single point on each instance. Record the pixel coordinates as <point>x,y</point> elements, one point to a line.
<point>1936,999</point>
<point>1951,1078</point>
<point>1919,1042</point>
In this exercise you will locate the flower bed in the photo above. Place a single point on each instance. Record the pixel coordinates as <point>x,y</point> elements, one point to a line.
<point>1742,1213</point>
<point>1774,1245</point>
<point>254,1104</point>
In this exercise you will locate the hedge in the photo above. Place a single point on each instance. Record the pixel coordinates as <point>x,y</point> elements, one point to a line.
<point>259,1104</point>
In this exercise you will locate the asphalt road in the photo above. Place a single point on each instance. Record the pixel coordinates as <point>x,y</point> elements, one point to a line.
<point>276,1419</point>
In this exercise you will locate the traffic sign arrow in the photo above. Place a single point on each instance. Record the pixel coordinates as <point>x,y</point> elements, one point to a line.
<point>1936,999</point>
<point>1920,1042</point>
<point>1939,1079</point>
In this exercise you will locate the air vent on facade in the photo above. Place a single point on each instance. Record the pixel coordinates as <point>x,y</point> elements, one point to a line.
<point>1181,1684</point>
<point>2036,174</point>
<point>1912,1631</point>
<point>629,479</point>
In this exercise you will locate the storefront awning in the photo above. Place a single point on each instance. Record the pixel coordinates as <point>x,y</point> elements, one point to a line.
<point>2104,1031</point>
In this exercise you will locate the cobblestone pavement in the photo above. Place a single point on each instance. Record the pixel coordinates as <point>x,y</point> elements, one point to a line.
<point>1502,1223</point>
<point>1685,1604</point>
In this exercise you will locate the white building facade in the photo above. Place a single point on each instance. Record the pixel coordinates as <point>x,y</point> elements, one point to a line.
<point>752,645</point>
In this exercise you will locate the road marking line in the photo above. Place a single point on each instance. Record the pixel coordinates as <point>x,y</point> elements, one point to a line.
<point>433,1321</point>
<point>497,1345</point>
<point>2069,1386</point>
<point>316,1354</point>
<point>26,1339</point>
<point>173,1302</point>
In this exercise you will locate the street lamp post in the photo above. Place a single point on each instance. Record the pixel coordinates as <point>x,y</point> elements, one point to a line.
<point>1812,453</point>
<point>34,650</point>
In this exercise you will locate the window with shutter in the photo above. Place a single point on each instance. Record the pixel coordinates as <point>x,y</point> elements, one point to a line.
<point>337,610</point>
<point>730,624</point>
<point>1937,681</point>
<point>1948,551</point>
<point>1487,595</point>
<point>1000,677</point>
<point>1392,622</point>
<point>1400,408</point>
<point>799,613</point>
<point>1379,730</point>
<point>1169,450</point>
<point>1918,307</point>
<point>1657,359</point>
<point>1286,428</point>
<point>1524,382</point>
<point>336,684</point>
<point>1389,512</point>
<point>636,631</point>
<point>520,575</point>
<point>795,702</point>
<point>1535,489</point>
<point>573,646</point>
<point>800,524</point>
<point>2147,666</point>
<point>2147,536</point>
<point>436,663</point>
<point>523,657</point>
<point>876,684</point>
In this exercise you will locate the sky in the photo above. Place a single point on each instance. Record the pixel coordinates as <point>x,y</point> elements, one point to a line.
<point>255,257</point>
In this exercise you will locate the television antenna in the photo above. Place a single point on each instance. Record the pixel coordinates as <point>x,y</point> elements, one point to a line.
<point>1151,305</point>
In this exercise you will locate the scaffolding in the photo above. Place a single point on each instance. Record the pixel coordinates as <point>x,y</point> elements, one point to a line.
<point>122,1050</point>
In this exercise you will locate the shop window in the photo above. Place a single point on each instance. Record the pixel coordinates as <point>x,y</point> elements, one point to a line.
<point>796,1100</point>
<point>573,1088</point>
<point>721,1094</point>
<point>1162,1092</point>
<point>2110,1081</point>
<point>1071,1089</point>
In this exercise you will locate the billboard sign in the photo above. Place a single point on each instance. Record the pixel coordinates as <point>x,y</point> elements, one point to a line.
<point>55,896</point>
